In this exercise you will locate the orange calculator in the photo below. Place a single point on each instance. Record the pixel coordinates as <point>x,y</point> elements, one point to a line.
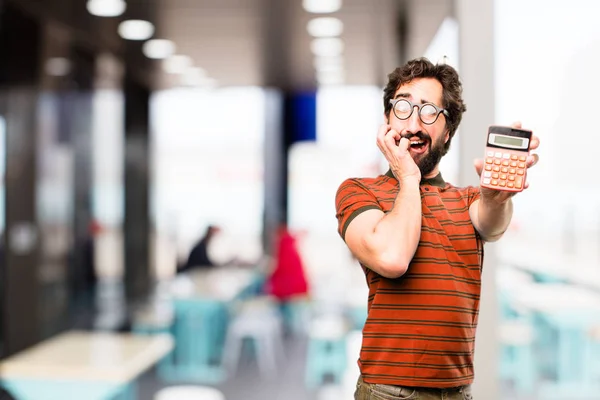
<point>505,156</point>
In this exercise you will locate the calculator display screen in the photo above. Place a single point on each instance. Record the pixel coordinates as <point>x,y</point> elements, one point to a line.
<point>509,141</point>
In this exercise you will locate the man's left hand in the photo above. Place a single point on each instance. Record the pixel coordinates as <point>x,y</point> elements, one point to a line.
<point>501,196</point>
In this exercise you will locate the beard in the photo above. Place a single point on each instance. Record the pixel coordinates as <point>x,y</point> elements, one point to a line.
<point>429,160</point>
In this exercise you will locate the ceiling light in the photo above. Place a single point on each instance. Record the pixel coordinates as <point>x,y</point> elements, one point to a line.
<point>325,27</point>
<point>331,68</point>
<point>136,29</point>
<point>58,66</point>
<point>106,8</point>
<point>322,6</point>
<point>327,47</point>
<point>328,63</point>
<point>194,76</point>
<point>177,64</point>
<point>330,78</point>
<point>158,48</point>
<point>205,83</point>
<point>331,81</point>
<point>210,83</point>
<point>330,75</point>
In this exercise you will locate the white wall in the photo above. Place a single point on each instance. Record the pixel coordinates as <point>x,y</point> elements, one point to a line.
<point>547,56</point>
<point>207,157</point>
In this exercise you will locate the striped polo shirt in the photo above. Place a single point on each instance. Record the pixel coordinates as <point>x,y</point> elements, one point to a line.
<point>420,328</point>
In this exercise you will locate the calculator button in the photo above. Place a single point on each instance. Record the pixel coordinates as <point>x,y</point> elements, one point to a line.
<point>520,172</point>
<point>495,175</point>
<point>505,170</point>
<point>518,184</point>
<point>521,165</point>
<point>522,158</point>
<point>502,183</point>
<point>488,167</point>
<point>506,156</point>
<point>490,154</point>
<point>497,169</point>
<point>512,171</point>
<point>514,157</point>
<point>510,185</point>
<point>487,174</point>
<point>513,163</point>
<point>505,163</point>
<point>511,178</point>
<point>503,176</point>
<point>494,182</point>
<point>498,155</point>
<point>489,160</point>
<point>497,162</point>
<point>486,181</point>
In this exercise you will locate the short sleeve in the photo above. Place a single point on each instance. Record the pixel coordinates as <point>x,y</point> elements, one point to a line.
<point>473,193</point>
<point>351,199</point>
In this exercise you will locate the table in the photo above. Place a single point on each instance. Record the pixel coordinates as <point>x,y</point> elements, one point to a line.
<point>552,298</point>
<point>546,260</point>
<point>222,284</point>
<point>82,365</point>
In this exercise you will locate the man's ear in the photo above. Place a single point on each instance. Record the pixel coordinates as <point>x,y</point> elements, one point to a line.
<point>447,136</point>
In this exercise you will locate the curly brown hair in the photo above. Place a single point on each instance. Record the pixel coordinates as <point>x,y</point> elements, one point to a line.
<point>452,89</point>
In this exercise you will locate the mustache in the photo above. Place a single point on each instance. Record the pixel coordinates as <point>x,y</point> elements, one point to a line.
<point>419,135</point>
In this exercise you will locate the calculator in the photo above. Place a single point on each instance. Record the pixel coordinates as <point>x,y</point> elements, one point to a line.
<point>506,153</point>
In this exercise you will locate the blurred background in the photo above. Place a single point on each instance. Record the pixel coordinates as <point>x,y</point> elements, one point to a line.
<point>168,172</point>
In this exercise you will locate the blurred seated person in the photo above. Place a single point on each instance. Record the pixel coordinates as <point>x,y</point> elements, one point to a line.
<point>199,257</point>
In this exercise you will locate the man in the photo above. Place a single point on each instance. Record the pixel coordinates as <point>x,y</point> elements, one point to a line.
<point>420,243</point>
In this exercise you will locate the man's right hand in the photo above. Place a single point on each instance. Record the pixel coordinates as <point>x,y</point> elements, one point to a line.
<point>398,155</point>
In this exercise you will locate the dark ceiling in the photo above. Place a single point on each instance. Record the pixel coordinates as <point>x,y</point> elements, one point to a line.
<point>238,42</point>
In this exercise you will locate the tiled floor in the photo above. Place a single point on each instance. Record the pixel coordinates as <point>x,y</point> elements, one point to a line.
<point>247,384</point>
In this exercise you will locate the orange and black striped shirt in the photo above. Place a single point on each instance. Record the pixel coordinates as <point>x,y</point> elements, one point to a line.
<point>420,328</point>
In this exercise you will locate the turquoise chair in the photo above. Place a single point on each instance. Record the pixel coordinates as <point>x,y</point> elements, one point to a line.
<point>295,313</point>
<point>325,357</point>
<point>517,362</point>
<point>199,332</point>
<point>517,352</point>
<point>326,353</point>
<point>574,364</point>
<point>574,343</point>
<point>542,277</point>
<point>594,355</point>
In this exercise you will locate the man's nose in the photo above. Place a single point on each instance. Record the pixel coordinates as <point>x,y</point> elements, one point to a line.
<point>414,121</point>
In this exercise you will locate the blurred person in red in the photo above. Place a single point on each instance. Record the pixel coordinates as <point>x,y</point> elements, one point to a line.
<point>287,281</point>
<point>89,254</point>
<point>83,277</point>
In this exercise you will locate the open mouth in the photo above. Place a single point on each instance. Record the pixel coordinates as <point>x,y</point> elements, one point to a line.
<point>418,145</point>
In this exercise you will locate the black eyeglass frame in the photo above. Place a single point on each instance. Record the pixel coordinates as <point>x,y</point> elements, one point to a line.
<point>419,107</point>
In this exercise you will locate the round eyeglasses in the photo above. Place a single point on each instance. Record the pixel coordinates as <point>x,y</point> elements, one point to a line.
<point>428,112</point>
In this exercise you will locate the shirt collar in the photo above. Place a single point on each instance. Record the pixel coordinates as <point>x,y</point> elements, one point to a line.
<point>435,181</point>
